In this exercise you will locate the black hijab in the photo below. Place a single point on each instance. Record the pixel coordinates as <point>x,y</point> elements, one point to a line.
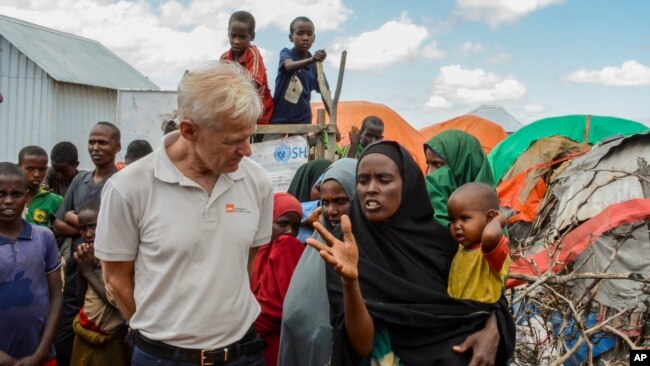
<point>306,176</point>
<point>404,265</point>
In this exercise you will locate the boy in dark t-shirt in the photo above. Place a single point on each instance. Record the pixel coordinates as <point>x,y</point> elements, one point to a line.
<point>297,75</point>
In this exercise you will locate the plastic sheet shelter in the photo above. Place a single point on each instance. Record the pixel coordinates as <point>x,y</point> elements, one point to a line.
<point>488,133</point>
<point>579,128</point>
<point>524,163</point>
<point>594,220</point>
<point>396,128</point>
<point>606,188</point>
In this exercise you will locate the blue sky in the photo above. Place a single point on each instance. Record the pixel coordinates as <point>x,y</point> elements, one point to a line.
<point>428,60</point>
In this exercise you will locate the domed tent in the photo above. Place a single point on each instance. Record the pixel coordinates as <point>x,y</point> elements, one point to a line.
<point>396,128</point>
<point>524,163</point>
<point>488,133</point>
<point>573,127</point>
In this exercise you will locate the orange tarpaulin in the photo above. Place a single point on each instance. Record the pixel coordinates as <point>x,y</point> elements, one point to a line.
<point>575,242</point>
<point>526,209</point>
<point>395,127</point>
<point>488,133</point>
<point>525,191</point>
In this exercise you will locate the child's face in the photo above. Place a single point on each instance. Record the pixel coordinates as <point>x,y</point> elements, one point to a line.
<point>13,197</point>
<point>240,37</point>
<point>288,224</point>
<point>35,168</point>
<point>334,201</point>
<point>302,35</point>
<point>371,134</point>
<point>64,171</point>
<point>466,222</point>
<point>87,225</point>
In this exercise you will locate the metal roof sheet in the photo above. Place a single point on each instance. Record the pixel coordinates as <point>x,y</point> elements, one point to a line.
<point>72,59</point>
<point>604,176</point>
<point>499,115</point>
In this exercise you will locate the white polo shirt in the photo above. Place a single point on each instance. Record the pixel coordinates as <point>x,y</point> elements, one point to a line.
<point>190,249</point>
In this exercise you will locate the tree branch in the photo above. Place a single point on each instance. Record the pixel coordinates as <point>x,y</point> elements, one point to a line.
<point>562,279</point>
<point>621,335</point>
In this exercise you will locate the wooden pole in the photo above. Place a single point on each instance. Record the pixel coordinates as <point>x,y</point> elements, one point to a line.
<point>320,146</point>
<point>331,104</point>
<point>331,148</point>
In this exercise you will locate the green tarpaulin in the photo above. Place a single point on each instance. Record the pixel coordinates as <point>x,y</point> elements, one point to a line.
<point>573,127</point>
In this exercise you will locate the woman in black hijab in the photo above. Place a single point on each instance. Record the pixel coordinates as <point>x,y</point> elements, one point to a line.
<point>306,176</point>
<point>388,277</point>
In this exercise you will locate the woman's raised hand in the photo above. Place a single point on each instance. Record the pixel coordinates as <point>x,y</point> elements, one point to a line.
<point>342,255</point>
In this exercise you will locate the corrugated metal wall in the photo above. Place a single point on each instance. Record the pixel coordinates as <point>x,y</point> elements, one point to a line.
<point>37,110</point>
<point>78,108</point>
<point>27,113</point>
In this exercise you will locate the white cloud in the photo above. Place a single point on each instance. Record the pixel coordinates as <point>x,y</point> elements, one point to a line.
<point>497,12</point>
<point>534,108</point>
<point>438,102</point>
<point>326,14</point>
<point>161,42</point>
<point>630,73</point>
<point>498,58</point>
<point>135,33</point>
<point>473,47</point>
<point>432,52</point>
<point>455,84</point>
<point>393,42</point>
<point>456,76</point>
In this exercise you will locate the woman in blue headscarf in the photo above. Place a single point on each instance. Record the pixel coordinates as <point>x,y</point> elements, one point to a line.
<point>306,335</point>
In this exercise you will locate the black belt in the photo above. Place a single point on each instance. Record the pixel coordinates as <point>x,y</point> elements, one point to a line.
<point>247,346</point>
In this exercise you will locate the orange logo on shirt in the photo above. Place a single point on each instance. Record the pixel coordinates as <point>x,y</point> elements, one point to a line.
<point>230,207</point>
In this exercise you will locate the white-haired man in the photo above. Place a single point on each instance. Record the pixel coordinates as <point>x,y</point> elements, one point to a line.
<point>178,228</point>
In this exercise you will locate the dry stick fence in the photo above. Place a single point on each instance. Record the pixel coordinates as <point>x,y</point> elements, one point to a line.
<point>556,310</point>
<point>327,132</point>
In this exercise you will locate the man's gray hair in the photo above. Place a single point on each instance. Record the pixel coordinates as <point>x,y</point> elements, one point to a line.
<point>217,92</point>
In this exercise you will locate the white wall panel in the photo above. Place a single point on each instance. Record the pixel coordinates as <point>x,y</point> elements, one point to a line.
<point>140,114</point>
